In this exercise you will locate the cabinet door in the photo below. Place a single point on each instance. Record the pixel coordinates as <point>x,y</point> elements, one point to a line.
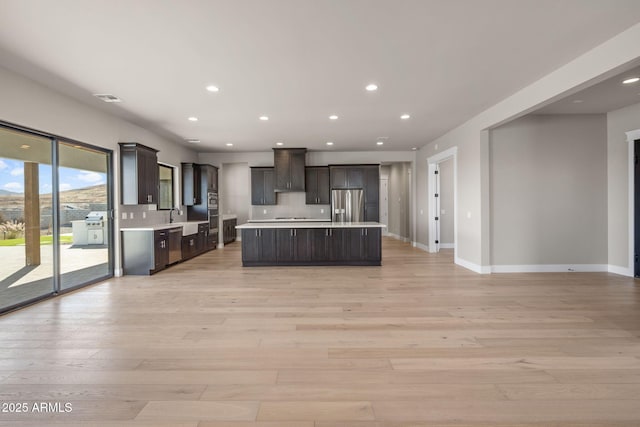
<point>268,189</point>
<point>336,244</point>
<point>372,212</point>
<point>338,177</point>
<point>302,244</point>
<point>311,182</point>
<point>257,186</point>
<point>268,244</point>
<point>296,170</point>
<point>284,245</point>
<point>372,184</point>
<point>161,250</point>
<point>355,177</point>
<point>372,250</point>
<point>353,243</point>
<point>250,245</point>
<point>324,190</point>
<point>318,242</point>
<point>281,162</point>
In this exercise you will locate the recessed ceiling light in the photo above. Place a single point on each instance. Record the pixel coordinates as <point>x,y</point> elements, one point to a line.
<point>405,116</point>
<point>577,101</point>
<point>380,143</point>
<point>213,88</point>
<point>264,118</point>
<point>228,144</point>
<point>279,143</point>
<point>329,143</point>
<point>107,97</point>
<point>371,87</point>
<point>631,80</point>
<point>414,148</point>
<point>193,141</point>
<point>193,119</point>
<point>25,146</point>
<point>333,117</point>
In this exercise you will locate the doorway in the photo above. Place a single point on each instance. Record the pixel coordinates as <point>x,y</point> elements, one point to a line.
<point>434,165</point>
<point>384,204</point>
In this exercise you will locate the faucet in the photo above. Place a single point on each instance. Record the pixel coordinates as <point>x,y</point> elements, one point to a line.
<point>171,214</point>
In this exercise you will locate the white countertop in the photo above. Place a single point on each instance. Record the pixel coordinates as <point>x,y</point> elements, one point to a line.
<point>229,216</point>
<point>291,220</point>
<point>156,227</point>
<point>299,224</point>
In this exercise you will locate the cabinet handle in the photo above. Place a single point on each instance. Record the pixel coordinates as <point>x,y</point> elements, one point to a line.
<point>366,231</point>
<point>327,232</point>
<point>295,232</point>
<point>291,232</point>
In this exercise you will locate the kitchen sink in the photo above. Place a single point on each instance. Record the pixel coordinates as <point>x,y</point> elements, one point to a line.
<point>187,227</point>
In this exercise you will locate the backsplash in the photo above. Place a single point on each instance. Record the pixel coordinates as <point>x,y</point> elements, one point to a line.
<point>291,205</point>
<point>140,216</point>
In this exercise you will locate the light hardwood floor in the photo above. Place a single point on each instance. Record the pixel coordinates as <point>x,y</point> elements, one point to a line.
<point>417,342</point>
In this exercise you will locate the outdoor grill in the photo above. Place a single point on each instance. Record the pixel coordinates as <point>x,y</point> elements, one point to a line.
<point>95,228</point>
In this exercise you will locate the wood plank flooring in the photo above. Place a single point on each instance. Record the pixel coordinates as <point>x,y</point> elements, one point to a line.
<point>417,342</point>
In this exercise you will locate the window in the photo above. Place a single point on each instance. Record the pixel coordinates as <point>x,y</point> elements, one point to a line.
<point>165,197</point>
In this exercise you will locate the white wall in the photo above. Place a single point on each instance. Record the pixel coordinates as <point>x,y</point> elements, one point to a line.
<point>234,190</point>
<point>606,60</point>
<point>619,122</point>
<point>29,104</point>
<point>549,191</point>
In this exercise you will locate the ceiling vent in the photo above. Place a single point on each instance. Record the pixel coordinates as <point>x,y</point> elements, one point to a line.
<point>193,140</point>
<point>107,97</point>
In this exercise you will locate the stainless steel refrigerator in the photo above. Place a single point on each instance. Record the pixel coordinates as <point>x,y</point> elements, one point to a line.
<point>347,205</point>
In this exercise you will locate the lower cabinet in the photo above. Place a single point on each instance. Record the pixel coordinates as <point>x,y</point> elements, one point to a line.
<point>259,246</point>
<point>161,250</point>
<point>311,246</point>
<point>229,230</point>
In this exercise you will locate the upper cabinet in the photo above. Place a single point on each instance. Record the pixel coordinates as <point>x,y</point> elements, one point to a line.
<point>139,179</point>
<point>317,184</point>
<point>191,184</point>
<point>366,177</point>
<point>289,169</point>
<point>262,186</point>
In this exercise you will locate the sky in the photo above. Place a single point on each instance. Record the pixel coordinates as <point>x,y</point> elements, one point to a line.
<point>12,177</point>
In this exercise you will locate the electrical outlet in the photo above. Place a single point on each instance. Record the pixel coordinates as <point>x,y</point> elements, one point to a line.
<point>421,212</point>
<point>264,211</point>
<point>321,211</point>
<point>144,215</point>
<point>468,214</point>
<point>124,215</point>
<point>130,215</point>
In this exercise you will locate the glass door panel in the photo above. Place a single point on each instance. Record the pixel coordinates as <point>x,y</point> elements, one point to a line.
<point>26,250</point>
<point>85,223</point>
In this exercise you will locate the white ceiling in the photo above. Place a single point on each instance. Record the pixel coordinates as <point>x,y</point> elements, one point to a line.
<point>298,61</point>
<point>608,95</point>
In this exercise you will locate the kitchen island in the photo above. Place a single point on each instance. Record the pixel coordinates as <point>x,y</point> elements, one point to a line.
<point>311,243</point>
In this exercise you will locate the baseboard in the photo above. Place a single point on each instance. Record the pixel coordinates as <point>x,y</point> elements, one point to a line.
<point>549,268</point>
<point>447,246</point>
<point>623,271</point>
<point>473,267</point>
<point>397,237</point>
<point>420,246</point>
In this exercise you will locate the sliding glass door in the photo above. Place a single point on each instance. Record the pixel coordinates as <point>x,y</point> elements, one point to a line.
<point>84,215</point>
<point>46,188</point>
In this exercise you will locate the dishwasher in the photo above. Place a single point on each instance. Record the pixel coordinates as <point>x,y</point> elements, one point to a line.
<point>175,245</point>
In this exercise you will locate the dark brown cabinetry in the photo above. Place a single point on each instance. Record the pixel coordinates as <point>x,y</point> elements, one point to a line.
<point>317,185</point>
<point>191,184</point>
<point>259,246</point>
<point>139,177</point>
<point>311,246</point>
<point>366,177</point>
<point>161,250</point>
<point>262,186</point>
<point>196,244</point>
<point>229,230</point>
<point>289,169</point>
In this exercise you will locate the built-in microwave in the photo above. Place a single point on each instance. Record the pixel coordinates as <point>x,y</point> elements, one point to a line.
<point>212,201</point>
